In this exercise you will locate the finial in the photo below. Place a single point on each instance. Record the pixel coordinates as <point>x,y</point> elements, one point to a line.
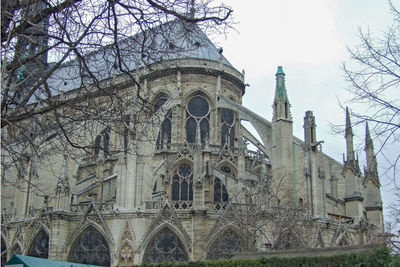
<point>280,70</point>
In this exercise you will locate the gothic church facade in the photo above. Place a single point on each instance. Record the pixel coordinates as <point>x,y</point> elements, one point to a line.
<point>188,186</point>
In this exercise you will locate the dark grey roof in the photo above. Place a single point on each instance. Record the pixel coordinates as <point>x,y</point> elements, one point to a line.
<point>172,40</point>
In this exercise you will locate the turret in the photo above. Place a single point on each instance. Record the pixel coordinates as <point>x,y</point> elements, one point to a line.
<point>281,104</point>
<point>352,174</point>
<point>309,130</point>
<point>373,201</point>
<point>282,138</point>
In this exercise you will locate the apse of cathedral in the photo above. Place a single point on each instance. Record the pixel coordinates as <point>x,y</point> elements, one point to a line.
<point>190,182</point>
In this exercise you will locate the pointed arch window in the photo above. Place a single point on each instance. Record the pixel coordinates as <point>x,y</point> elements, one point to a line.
<point>220,193</point>
<point>90,248</point>
<point>40,246</point>
<point>165,246</point>
<point>227,127</point>
<point>226,246</point>
<point>164,136</point>
<point>182,187</point>
<point>197,119</point>
<point>102,142</point>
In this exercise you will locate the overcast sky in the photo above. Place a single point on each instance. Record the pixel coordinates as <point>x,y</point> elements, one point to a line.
<point>309,39</point>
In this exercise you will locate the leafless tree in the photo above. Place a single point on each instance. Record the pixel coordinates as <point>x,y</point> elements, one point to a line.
<point>373,78</point>
<point>67,66</point>
<point>266,217</point>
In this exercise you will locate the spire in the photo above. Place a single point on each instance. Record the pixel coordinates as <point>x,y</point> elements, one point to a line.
<point>349,137</point>
<point>281,105</point>
<point>369,151</point>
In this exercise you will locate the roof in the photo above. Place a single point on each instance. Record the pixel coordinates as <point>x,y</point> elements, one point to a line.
<point>168,41</point>
<point>28,261</point>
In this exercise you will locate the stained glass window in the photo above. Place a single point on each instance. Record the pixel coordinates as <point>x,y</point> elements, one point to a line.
<point>90,248</point>
<point>191,125</point>
<point>182,186</point>
<point>226,246</point>
<point>227,127</point>
<point>40,246</point>
<point>220,193</point>
<point>198,107</point>
<point>197,118</point>
<point>165,246</point>
<point>166,127</point>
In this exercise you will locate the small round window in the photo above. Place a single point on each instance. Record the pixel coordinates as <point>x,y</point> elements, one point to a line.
<point>198,107</point>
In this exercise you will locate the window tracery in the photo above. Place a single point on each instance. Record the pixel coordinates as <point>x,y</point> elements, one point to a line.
<point>165,246</point>
<point>227,127</point>
<point>220,194</point>
<point>90,248</point>
<point>197,119</point>
<point>164,136</point>
<point>226,246</point>
<point>182,187</point>
<point>40,246</point>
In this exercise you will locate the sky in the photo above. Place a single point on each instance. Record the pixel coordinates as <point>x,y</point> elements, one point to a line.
<point>309,39</point>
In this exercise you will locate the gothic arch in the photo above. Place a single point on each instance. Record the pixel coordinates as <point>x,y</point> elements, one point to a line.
<point>199,91</point>
<point>125,253</point>
<point>165,243</point>
<point>181,180</point>
<point>227,163</point>
<point>39,243</point>
<point>90,246</point>
<point>127,247</point>
<point>198,117</point>
<point>225,243</point>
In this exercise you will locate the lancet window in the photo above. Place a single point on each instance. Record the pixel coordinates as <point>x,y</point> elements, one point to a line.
<point>225,246</point>
<point>220,194</point>
<point>90,248</point>
<point>227,127</point>
<point>182,187</point>
<point>197,119</point>
<point>165,246</point>
<point>40,246</point>
<point>102,142</point>
<point>164,136</point>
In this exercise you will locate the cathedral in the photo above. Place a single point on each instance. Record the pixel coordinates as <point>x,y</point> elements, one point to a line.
<point>185,180</point>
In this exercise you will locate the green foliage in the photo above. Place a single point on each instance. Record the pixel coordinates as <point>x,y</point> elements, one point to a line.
<point>376,257</point>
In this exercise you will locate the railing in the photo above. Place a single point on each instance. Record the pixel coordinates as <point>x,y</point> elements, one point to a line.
<point>181,205</point>
<point>216,206</point>
<point>82,207</point>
